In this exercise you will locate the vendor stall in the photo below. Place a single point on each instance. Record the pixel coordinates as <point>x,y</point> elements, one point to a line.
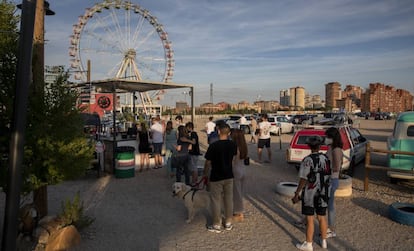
<point>115,86</point>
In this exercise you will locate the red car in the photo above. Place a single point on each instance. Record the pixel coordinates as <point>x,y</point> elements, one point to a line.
<point>354,146</point>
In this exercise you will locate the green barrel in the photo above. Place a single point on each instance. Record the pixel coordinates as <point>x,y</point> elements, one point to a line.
<point>125,162</point>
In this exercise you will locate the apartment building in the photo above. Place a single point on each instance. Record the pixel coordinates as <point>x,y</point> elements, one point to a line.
<point>332,94</point>
<point>297,98</point>
<point>386,98</point>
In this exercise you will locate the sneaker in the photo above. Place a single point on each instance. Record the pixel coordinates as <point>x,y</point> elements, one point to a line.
<point>330,234</point>
<point>228,226</point>
<point>214,229</point>
<point>324,244</point>
<point>306,246</point>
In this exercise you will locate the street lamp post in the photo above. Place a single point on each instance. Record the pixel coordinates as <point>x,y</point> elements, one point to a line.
<point>19,124</point>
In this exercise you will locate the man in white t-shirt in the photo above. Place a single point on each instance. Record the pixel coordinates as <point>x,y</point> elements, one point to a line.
<point>264,139</point>
<point>210,127</point>
<point>157,136</point>
<point>242,122</point>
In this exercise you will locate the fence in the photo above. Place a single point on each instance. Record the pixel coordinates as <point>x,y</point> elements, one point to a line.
<point>368,165</point>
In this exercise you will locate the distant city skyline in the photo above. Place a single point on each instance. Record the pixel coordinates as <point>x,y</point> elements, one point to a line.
<point>251,51</point>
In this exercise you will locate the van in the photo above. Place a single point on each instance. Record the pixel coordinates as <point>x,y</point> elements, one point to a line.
<point>402,139</point>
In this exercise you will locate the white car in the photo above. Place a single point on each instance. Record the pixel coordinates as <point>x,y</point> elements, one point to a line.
<point>234,122</point>
<point>285,125</point>
<point>274,126</point>
<point>280,124</point>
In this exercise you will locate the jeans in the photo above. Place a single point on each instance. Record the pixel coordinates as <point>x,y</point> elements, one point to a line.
<point>331,203</point>
<point>221,191</point>
<point>180,163</point>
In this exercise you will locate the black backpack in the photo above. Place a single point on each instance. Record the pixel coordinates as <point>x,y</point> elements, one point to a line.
<point>324,174</point>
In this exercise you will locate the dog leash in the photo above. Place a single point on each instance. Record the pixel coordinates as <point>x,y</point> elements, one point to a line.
<point>192,197</point>
<point>197,185</point>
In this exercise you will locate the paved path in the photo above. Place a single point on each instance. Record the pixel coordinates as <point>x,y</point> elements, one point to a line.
<point>140,213</point>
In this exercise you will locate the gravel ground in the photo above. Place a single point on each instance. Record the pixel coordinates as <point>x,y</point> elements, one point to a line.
<point>140,213</point>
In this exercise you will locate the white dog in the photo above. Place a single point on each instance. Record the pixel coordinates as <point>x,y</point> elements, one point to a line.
<point>193,199</point>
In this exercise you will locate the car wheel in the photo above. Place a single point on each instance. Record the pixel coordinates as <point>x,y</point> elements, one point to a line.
<point>351,168</point>
<point>402,213</point>
<point>279,132</point>
<point>287,188</point>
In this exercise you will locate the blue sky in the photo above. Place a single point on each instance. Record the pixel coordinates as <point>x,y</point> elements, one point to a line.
<point>251,50</point>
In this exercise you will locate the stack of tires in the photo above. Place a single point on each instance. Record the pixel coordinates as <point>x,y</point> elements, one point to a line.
<point>125,162</point>
<point>344,187</point>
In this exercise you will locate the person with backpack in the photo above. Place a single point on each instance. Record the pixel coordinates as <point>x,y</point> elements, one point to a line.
<point>313,191</point>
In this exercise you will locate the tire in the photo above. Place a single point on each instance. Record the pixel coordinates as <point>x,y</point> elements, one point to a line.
<point>287,188</point>
<point>279,132</point>
<point>346,192</point>
<point>345,182</point>
<point>402,213</point>
<point>351,168</point>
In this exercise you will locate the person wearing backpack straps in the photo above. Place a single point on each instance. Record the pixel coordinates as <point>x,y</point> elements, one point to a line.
<point>313,191</point>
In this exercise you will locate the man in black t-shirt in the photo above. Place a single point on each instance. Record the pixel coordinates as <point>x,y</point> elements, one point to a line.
<point>219,162</point>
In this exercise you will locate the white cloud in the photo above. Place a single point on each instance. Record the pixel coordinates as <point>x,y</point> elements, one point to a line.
<point>255,48</point>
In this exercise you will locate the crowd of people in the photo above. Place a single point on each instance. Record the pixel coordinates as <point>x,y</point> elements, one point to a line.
<point>224,169</point>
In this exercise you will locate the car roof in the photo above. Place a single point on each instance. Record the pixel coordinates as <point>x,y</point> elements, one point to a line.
<point>406,117</point>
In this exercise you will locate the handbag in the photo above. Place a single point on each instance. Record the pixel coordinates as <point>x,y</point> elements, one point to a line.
<point>247,161</point>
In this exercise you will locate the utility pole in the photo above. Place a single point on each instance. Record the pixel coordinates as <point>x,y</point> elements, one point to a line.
<point>38,61</point>
<point>38,88</point>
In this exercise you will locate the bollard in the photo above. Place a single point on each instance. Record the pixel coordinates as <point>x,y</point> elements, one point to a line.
<point>367,163</point>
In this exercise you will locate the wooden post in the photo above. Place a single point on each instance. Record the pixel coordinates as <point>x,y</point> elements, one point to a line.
<point>367,163</point>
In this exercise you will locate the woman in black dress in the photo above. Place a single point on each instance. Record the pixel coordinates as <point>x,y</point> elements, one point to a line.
<point>144,147</point>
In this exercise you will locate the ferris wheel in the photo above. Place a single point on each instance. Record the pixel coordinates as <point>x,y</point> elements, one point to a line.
<point>123,41</point>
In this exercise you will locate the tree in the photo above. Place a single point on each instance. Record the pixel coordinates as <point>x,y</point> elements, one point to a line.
<point>55,147</point>
<point>8,61</point>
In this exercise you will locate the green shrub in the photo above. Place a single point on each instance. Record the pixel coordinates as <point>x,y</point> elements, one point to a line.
<point>72,214</point>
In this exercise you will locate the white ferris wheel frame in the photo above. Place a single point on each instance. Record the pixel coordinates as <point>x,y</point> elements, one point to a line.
<point>128,63</point>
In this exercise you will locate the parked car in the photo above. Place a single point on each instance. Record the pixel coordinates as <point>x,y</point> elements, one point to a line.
<point>354,147</point>
<point>274,126</point>
<point>402,139</point>
<point>234,122</point>
<point>284,124</point>
<point>303,118</point>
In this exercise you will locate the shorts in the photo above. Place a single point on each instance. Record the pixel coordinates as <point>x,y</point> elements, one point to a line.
<point>306,210</point>
<point>193,162</point>
<point>263,143</point>
<point>157,148</point>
